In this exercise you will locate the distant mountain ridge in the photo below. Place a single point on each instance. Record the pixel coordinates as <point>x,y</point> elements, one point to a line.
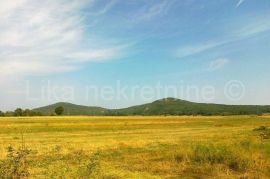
<point>167,106</point>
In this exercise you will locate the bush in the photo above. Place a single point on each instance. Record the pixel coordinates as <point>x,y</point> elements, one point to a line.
<point>210,154</point>
<point>261,128</point>
<point>264,132</point>
<point>16,165</point>
<point>91,168</point>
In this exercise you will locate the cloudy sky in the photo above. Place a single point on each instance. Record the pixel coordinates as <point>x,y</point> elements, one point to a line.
<point>53,51</point>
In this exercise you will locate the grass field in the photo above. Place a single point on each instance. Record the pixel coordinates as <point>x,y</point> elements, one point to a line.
<point>135,147</point>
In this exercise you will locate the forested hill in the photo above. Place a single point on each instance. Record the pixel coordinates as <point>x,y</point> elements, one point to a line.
<point>167,106</point>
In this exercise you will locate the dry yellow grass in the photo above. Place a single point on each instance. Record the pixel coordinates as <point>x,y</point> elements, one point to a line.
<point>141,147</point>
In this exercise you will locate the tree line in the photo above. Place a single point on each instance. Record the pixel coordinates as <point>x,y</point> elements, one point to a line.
<point>27,112</point>
<point>20,112</point>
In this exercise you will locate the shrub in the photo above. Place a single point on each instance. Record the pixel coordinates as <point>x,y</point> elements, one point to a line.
<point>16,165</point>
<point>93,164</point>
<point>210,154</point>
<point>91,167</point>
<point>261,128</point>
<point>264,132</point>
<point>179,158</point>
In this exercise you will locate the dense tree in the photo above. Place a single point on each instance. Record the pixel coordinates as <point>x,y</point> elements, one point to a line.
<point>27,112</point>
<point>18,112</point>
<point>2,114</point>
<point>59,110</point>
<point>9,114</point>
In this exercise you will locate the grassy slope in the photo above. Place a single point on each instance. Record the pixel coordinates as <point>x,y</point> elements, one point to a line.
<point>140,147</point>
<point>169,106</point>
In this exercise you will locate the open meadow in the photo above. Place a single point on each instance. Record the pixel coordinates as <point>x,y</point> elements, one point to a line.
<point>135,147</point>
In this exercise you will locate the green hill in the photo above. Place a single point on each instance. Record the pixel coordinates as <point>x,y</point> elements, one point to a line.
<point>72,109</point>
<point>168,106</point>
<point>172,106</point>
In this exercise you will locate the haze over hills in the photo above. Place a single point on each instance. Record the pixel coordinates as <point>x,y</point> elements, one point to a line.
<point>167,106</point>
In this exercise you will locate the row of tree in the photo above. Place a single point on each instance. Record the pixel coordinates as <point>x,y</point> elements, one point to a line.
<point>20,112</point>
<point>27,112</point>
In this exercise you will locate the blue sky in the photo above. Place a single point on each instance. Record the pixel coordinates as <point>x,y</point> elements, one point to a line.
<point>76,44</point>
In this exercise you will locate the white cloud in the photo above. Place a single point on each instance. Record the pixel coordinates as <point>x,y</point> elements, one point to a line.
<point>105,9</point>
<point>186,51</point>
<point>257,25</point>
<point>239,3</point>
<point>44,37</point>
<point>150,11</point>
<point>218,64</point>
